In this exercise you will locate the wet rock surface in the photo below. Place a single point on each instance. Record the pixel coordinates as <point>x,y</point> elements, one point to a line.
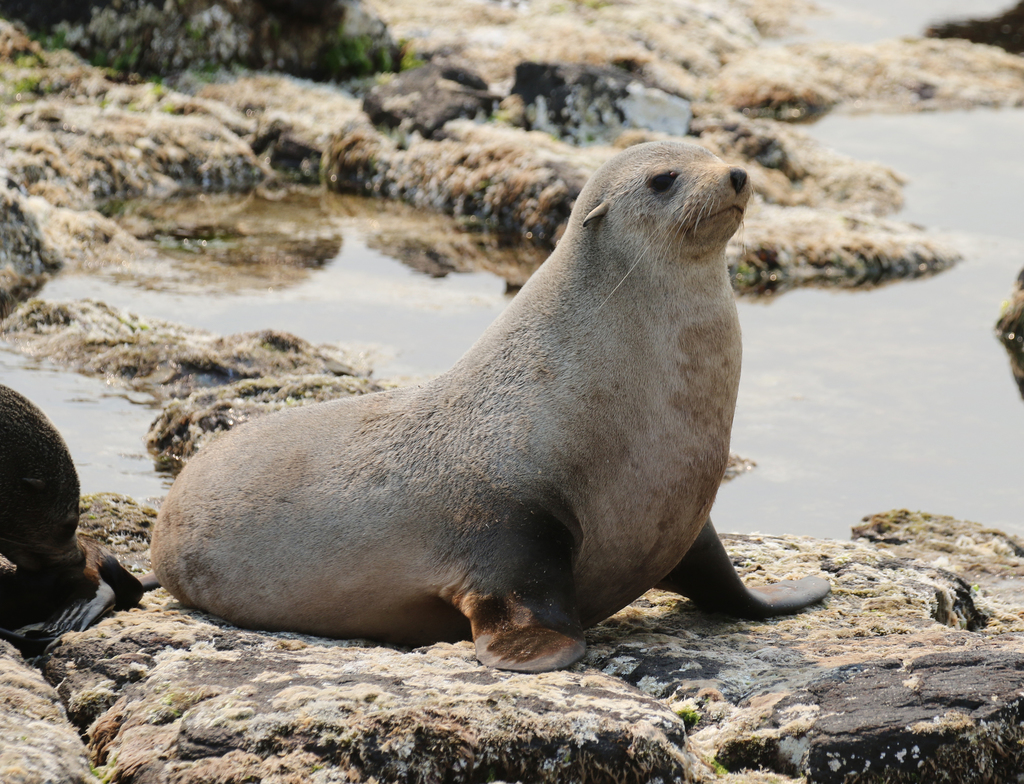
<point>904,673</point>
<point>81,138</point>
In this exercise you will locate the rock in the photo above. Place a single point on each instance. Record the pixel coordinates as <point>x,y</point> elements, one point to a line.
<point>158,356</point>
<point>185,426</point>
<point>789,168</point>
<point>496,179</point>
<point>123,525</point>
<point>987,559</point>
<point>671,43</point>
<point>1005,30</point>
<point>165,692</point>
<point>23,248</point>
<point>15,45</point>
<point>80,155</point>
<point>26,259</point>
<point>589,104</point>
<point>904,673</point>
<point>424,99</point>
<point>803,80</point>
<point>39,743</point>
<point>780,248</point>
<point>1010,329</point>
<point>331,39</point>
<point>522,185</point>
<point>295,120</point>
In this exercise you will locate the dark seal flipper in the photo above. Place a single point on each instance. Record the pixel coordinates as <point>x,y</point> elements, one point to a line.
<point>523,610</point>
<point>27,645</point>
<point>706,575</point>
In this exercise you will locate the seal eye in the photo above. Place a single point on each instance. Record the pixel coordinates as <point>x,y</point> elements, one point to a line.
<point>662,182</point>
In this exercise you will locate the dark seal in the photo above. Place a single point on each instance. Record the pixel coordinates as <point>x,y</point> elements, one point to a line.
<point>52,580</point>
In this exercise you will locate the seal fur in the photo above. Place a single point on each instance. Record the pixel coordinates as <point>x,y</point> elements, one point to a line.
<point>565,465</point>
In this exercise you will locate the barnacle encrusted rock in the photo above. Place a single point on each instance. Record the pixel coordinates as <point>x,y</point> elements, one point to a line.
<point>523,183</point>
<point>25,256</point>
<point>39,744</point>
<point>500,179</point>
<point>780,248</point>
<point>158,356</point>
<point>121,523</point>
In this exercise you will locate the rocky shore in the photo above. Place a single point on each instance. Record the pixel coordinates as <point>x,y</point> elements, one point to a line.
<point>909,671</point>
<point>472,139</point>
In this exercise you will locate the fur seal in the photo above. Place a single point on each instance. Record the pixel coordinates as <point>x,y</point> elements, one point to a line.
<point>54,580</point>
<point>566,464</point>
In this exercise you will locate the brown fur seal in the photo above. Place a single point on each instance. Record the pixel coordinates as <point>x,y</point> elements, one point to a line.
<point>565,465</point>
<point>56,581</point>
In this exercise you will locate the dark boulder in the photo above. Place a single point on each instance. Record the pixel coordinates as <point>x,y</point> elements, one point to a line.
<point>425,98</point>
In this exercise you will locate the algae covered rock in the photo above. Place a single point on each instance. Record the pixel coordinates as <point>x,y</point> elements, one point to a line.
<point>158,356</point>
<point>803,80</point>
<point>190,699</point>
<point>425,98</point>
<point>185,426</point>
<point>39,744</point>
<point>329,39</point>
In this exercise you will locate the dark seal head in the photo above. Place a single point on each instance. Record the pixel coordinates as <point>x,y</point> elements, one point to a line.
<point>53,580</point>
<point>565,465</point>
<point>38,488</point>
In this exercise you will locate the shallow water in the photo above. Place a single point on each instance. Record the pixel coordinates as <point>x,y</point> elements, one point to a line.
<point>851,402</point>
<point>858,402</point>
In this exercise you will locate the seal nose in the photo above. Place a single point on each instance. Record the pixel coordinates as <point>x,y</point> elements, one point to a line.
<point>738,178</point>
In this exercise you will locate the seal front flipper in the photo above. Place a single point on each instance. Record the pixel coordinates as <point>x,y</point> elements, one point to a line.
<point>522,607</point>
<point>706,575</point>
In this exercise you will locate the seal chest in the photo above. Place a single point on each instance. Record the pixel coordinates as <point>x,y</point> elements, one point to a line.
<point>565,465</point>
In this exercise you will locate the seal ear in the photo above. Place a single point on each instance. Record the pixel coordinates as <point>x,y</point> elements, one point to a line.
<point>598,212</point>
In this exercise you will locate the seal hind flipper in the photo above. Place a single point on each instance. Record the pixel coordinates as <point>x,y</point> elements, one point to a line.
<point>706,576</point>
<point>523,612</point>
